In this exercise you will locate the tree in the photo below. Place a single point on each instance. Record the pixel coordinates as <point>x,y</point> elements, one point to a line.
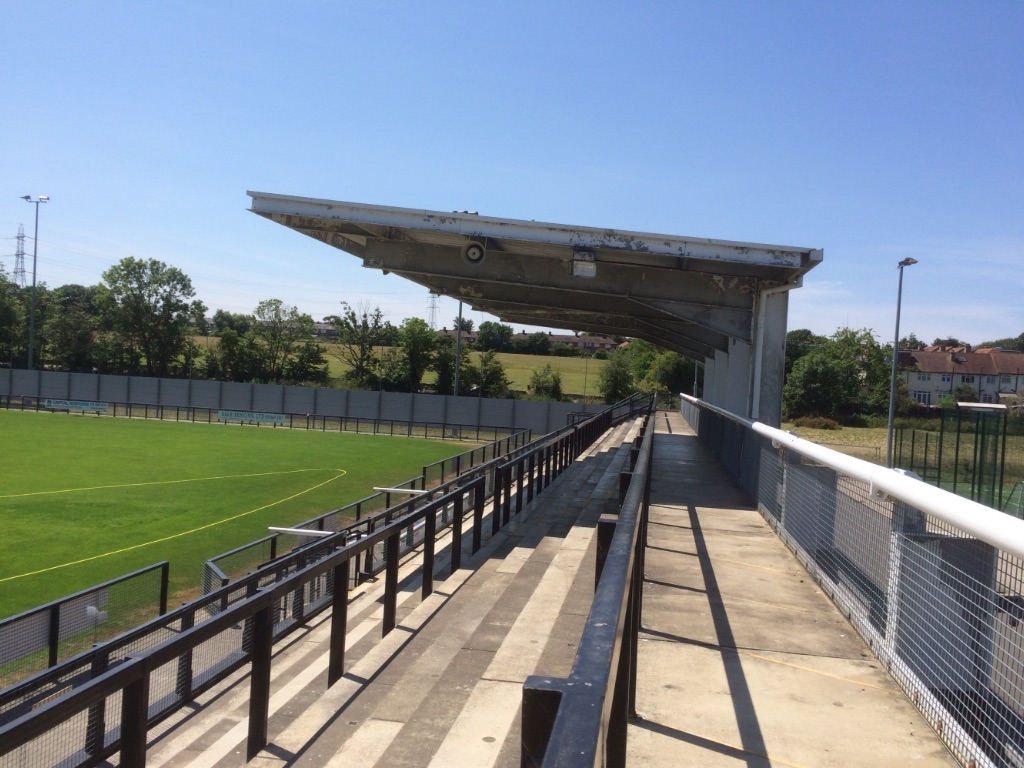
<point>546,383</point>
<point>798,343</point>
<point>912,342</point>
<point>147,306</point>
<point>670,372</point>
<point>846,374</point>
<point>465,324</point>
<point>237,358</point>
<point>307,365</point>
<point>443,365</point>
<point>418,342</point>
<point>640,356</point>
<point>965,393</point>
<point>487,377</point>
<point>860,350</point>
<point>538,343</point>
<point>360,331</point>
<point>494,336</point>
<point>13,349</point>
<point>819,385</point>
<point>952,341</point>
<point>239,323</point>
<point>1009,343</point>
<point>72,330</point>
<point>279,330</point>
<point>615,382</point>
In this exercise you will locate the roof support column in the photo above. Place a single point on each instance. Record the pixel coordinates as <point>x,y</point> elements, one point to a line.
<point>727,378</point>
<point>769,369</point>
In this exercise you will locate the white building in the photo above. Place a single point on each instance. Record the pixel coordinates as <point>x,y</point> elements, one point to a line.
<point>997,375</point>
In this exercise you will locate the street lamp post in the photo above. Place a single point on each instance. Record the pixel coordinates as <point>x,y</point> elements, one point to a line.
<point>35,254</point>
<point>895,358</point>
<point>458,349</point>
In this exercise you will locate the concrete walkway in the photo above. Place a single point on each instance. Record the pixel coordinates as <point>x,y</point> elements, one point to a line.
<point>743,659</point>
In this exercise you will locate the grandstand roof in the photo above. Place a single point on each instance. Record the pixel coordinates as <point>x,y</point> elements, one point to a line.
<point>692,295</point>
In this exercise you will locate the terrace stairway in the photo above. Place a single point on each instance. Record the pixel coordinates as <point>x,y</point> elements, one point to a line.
<point>443,688</point>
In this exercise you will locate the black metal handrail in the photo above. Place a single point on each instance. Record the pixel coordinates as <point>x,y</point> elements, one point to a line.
<point>247,616</point>
<point>269,548</point>
<point>581,720</point>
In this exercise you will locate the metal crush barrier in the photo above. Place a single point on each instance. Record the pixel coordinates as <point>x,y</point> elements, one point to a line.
<point>357,517</point>
<point>933,582</point>
<point>100,704</point>
<point>581,720</point>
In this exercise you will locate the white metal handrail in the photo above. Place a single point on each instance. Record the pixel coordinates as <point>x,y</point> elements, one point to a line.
<point>991,526</point>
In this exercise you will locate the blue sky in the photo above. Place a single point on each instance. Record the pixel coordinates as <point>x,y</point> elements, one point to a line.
<point>873,130</point>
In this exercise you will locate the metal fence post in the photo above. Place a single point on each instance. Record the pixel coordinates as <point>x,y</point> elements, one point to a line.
<point>457,513</point>
<point>541,699</point>
<point>339,624</point>
<point>183,675</point>
<point>134,716</point>
<point>96,727</point>
<point>259,686</point>
<point>496,513</point>
<point>478,513</point>
<point>53,641</point>
<point>390,583</point>
<point>429,533</point>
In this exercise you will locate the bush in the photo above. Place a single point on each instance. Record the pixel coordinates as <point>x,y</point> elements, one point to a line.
<point>816,422</point>
<point>920,424</point>
<point>857,420</point>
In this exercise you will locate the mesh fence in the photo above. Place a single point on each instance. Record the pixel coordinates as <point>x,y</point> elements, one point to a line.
<point>940,608</point>
<point>40,638</point>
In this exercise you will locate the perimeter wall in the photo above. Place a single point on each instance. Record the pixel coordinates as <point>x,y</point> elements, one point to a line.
<point>541,417</point>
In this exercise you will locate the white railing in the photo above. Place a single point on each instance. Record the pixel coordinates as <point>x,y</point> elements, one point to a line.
<point>933,582</point>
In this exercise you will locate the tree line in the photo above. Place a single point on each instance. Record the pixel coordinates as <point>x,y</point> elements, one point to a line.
<point>144,319</point>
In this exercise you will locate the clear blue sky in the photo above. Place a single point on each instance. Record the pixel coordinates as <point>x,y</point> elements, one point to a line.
<point>873,130</point>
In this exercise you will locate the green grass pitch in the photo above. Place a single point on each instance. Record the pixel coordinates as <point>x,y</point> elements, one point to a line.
<point>86,499</point>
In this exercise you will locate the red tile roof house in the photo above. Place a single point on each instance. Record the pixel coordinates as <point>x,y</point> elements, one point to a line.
<point>997,375</point>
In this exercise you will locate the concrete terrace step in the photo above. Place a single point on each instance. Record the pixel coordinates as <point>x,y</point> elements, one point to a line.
<point>444,687</point>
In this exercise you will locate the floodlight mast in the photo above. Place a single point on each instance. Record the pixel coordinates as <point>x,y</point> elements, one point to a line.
<point>35,255</point>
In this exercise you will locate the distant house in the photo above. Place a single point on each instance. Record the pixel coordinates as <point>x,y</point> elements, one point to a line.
<point>997,375</point>
<point>325,330</point>
<point>469,337</point>
<point>593,343</point>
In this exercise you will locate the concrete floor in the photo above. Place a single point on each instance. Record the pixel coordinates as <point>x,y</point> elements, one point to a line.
<point>743,659</point>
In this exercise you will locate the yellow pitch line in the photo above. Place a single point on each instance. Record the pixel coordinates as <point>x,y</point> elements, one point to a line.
<point>341,473</point>
<point>162,482</point>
